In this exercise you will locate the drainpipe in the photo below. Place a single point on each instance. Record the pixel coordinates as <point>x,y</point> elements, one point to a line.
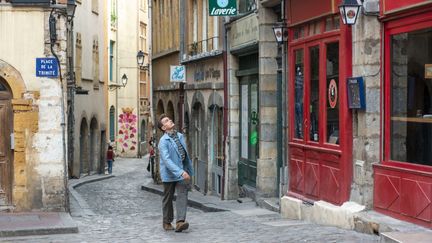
<point>225,105</point>
<point>53,39</point>
<point>149,43</point>
<point>182,50</point>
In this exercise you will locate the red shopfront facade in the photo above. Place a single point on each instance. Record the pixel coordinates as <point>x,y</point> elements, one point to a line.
<point>320,135</point>
<point>403,179</point>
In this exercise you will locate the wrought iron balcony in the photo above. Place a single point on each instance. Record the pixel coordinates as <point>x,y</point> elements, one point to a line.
<point>201,49</point>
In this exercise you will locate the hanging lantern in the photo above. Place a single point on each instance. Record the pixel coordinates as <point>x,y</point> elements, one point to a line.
<point>349,11</point>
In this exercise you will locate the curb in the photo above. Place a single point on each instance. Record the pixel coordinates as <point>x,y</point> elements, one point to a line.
<point>85,208</point>
<point>191,202</point>
<point>69,228</point>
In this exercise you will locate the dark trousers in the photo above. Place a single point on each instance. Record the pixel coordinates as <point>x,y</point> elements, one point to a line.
<point>181,202</point>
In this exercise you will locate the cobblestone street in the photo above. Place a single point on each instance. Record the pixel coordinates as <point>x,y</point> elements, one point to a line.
<point>122,212</point>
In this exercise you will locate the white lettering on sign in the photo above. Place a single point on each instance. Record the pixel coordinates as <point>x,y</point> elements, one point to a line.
<point>47,61</point>
<point>46,73</point>
<point>225,11</point>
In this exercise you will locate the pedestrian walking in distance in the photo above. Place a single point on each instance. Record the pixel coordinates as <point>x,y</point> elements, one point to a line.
<point>110,158</point>
<point>176,171</point>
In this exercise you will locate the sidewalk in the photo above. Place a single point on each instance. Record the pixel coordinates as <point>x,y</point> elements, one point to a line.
<point>36,223</point>
<point>43,223</point>
<point>207,203</point>
<point>370,222</point>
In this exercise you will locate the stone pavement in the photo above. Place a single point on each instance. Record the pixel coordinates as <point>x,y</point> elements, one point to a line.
<point>116,209</point>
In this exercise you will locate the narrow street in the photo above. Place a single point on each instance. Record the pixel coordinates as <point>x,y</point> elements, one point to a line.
<point>122,212</point>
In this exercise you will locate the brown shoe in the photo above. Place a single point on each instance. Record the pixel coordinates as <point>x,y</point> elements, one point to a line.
<point>181,225</point>
<point>167,226</point>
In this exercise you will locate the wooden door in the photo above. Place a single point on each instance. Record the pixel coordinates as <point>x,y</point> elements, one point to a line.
<point>6,155</point>
<point>318,156</point>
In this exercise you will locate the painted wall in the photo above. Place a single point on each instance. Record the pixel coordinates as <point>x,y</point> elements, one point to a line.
<point>125,32</point>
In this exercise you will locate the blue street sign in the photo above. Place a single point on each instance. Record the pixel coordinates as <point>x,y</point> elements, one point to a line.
<point>46,67</point>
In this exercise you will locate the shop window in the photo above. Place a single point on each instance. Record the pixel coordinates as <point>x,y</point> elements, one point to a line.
<point>298,93</point>
<point>332,23</point>
<point>314,94</point>
<point>332,77</point>
<point>249,121</point>
<point>247,6</point>
<point>411,97</point>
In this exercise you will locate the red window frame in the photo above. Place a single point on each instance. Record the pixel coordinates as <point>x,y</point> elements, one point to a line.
<point>398,26</point>
<point>320,40</point>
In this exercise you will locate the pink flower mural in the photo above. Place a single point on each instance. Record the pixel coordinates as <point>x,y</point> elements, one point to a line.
<point>127,132</point>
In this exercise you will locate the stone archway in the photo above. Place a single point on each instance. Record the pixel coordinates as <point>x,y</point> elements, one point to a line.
<point>170,112</point>
<point>6,152</point>
<point>84,147</point>
<point>23,128</point>
<point>94,145</point>
<point>112,123</point>
<point>143,138</point>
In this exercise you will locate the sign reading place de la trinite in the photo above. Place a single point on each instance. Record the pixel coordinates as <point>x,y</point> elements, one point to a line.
<point>222,7</point>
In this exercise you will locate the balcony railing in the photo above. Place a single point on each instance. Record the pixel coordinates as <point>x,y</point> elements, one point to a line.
<point>204,46</point>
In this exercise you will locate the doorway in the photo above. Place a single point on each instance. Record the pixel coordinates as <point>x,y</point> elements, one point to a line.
<point>319,154</point>
<point>6,146</point>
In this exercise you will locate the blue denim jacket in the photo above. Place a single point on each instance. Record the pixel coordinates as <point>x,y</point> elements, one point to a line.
<point>171,165</point>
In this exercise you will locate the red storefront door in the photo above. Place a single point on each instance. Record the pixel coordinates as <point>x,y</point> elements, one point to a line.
<point>320,124</point>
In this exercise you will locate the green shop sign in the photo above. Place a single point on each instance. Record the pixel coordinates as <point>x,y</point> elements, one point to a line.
<point>222,7</point>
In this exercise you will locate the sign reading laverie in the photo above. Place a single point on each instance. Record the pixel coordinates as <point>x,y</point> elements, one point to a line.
<point>46,67</point>
<point>222,7</point>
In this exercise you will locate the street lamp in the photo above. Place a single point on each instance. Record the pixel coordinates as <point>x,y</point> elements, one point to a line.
<point>140,58</point>
<point>349,11</point>
<point>70,9</point>
<point>281,33</point>
<point>124,80</point>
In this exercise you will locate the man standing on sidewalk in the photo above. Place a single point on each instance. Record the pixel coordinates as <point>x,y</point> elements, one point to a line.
<point>175,170</point>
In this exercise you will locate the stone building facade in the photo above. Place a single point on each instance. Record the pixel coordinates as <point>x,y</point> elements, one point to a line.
<point>251,164</point>
<point>130,125</point>
<point>90,96</point>
<point>33,139</point>
<point>201,53</point>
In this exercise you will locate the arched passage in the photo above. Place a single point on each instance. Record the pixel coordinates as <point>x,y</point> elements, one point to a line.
<point>6,154</point>
<point>143,137</point>
<point>215,123</point>
<point>170,111</point>
<point>198,146</point>
<point>84,147</point>
<point>112,123</point>
<point>94,144</point>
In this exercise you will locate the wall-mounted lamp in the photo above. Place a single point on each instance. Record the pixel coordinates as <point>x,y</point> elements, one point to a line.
<point>281,33</point>
<point>349,11</point>
<point>70,9</point>
<point>124,81</point>
<point>140,58</point>
<point>140,61</point>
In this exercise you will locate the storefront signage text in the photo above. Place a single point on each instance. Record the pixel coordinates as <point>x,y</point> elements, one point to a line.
<point>201,74</point>
<point>244,31</point>
<point>222,7</point>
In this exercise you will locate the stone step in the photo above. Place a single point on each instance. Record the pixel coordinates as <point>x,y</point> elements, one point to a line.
<point>406,237</point>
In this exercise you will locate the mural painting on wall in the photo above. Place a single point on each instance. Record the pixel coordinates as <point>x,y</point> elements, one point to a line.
<point>127,129</point>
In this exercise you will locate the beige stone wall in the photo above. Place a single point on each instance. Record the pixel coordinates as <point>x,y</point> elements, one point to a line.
<point>366,124</point>
<point>91,70</point>
<point>38,165</point>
